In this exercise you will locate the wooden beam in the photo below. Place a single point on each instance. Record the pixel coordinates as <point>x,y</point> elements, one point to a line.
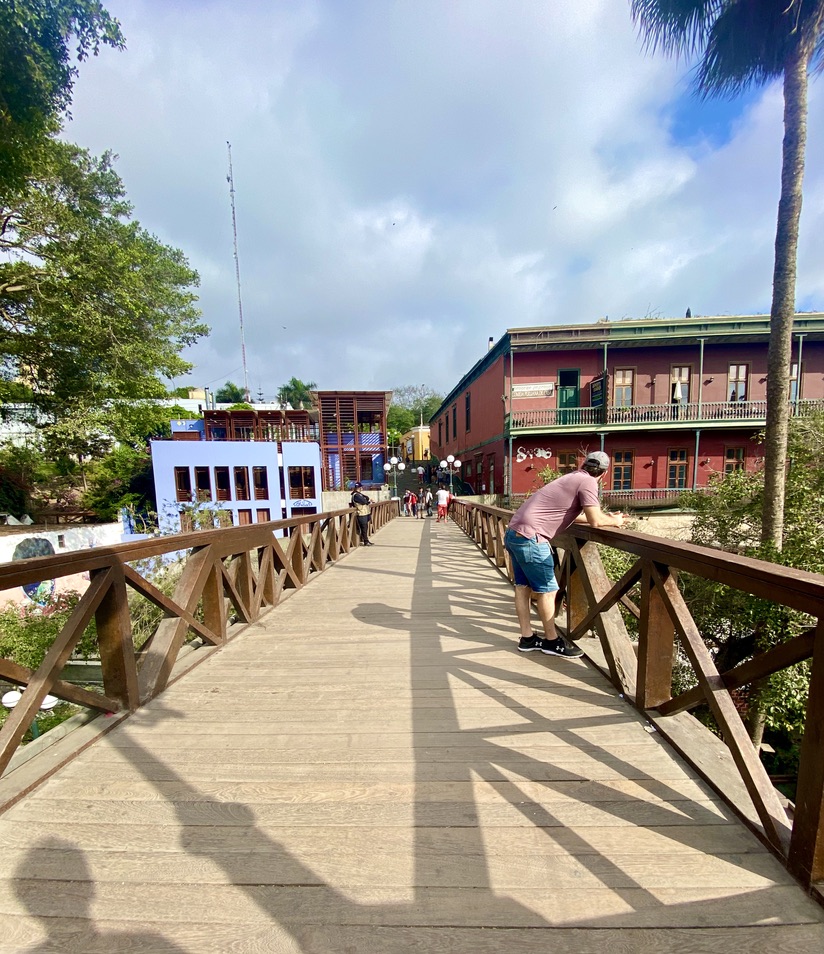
<point>799,589</point>
<point>168,638</point>
<point>656,643</point>
<point>627,581</point>
<point>754,775</point>
<point>44,677</point>
<point>116,642</point>
<point>243,578</point>
<point>806,856</point>
<point>282,564</point>
<point>779,657</point>
<point>610,626</point>
<point>231,590</point>
<point>170,608</point>
<point>21,676</point>
<point>214,604</point>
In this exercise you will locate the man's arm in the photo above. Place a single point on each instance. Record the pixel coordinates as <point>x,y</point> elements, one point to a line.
<point>596,517</point>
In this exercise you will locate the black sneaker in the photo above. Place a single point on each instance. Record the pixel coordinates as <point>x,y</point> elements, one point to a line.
<point>528,644</point>
<point>557,647</point>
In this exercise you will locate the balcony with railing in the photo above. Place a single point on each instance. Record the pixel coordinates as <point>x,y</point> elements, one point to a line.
<point>666,415</point>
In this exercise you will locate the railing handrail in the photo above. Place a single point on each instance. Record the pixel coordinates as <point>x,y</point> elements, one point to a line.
<point>643,672</point>
<point>247,567</point>
<point>801,589</point>
<point>20,572</point>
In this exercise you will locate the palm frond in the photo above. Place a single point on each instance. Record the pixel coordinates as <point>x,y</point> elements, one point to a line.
<point>747,46</point>
<point>680,27</point>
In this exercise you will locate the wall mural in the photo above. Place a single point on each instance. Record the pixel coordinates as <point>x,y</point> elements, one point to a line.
<point>522,454</point>
<point>40,593</point>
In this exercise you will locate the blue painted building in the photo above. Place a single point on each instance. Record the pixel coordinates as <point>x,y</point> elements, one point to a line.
<point>234,483</point>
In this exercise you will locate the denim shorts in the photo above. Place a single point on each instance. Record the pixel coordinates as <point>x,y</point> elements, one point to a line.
<point>532,562</point>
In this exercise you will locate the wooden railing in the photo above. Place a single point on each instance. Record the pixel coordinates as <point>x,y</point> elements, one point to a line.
<point>642,414</point>
<point>246,569</point>
<point>643,671</point>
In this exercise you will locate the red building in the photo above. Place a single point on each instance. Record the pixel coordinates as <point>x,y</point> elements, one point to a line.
<point>672,401</point>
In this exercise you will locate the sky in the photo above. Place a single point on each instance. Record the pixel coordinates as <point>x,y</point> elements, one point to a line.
<point>413,177</point>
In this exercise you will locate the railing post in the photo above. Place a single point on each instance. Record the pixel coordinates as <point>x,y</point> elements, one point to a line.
<point>114,635</point>
<point>214,604</point>
<point>318,557</point>
<point>576,600</point>
<point>298,564</point>
<point>806,855</point>
<point>655,644</point>
<point>243,580</point>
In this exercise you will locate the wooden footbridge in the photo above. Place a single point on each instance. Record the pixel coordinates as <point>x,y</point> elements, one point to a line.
<point>369,766</point>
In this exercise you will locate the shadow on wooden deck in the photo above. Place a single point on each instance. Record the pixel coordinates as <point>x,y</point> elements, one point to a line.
<point>407,782</point>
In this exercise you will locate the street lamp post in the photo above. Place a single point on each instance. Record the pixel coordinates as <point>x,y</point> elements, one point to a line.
<point>452,465</point>
<point>394,466</point>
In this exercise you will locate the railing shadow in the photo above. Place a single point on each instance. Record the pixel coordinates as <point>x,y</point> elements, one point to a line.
<point>284,901</point>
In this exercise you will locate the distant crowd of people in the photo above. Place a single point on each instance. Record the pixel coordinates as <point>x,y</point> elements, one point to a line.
<point>419,505</point>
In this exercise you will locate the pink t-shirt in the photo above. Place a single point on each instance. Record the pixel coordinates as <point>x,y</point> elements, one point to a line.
<point>550,510</point>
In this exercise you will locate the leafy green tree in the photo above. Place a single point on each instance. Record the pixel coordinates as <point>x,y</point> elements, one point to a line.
<point>740,45</point>
<point>14,496</point>
<point>737,625</point>
<point>230,393</point>
<point>27,633</point>
<point>94,311</point>
<point>419,399</point>
<point>39,42</point>
<point>400,419</point>
<point>123,478</point>
<point>297,393</point>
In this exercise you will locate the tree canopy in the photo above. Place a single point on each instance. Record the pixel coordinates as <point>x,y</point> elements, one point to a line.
<point>40,43</point>
<point>411,404</point>
<point>94,311</point>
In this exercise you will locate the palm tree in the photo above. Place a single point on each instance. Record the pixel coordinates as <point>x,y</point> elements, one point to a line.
<point>297,393</point>
<point>739,44</point>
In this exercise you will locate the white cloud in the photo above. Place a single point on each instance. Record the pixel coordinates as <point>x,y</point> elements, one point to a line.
<point>414,177</point>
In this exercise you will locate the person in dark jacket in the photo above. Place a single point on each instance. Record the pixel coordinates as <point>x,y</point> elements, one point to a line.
<point>363,508</point>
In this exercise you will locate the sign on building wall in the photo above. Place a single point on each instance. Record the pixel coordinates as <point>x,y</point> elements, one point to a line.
<point>542,389</point>
<point>597,391</point>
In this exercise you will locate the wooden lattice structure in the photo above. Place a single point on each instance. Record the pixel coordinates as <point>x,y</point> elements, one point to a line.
<point>251,425</point>
<point>643,671</point>
<point>353,439</point>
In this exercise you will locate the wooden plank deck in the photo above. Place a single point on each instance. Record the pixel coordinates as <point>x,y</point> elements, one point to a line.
<point>375,769</point>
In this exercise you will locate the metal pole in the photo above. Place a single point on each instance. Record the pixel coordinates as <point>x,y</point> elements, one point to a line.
<point>231,181</point>
<point>508,486</point>
<point>798,373</point>
<point>695,460</point>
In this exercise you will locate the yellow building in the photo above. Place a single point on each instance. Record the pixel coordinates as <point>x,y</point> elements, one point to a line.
<point>415,443</point>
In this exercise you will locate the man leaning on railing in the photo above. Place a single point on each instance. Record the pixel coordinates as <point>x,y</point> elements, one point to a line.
<point>572,498</point>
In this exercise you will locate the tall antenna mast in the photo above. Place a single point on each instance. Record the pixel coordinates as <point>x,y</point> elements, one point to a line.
<point>231,181</point>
